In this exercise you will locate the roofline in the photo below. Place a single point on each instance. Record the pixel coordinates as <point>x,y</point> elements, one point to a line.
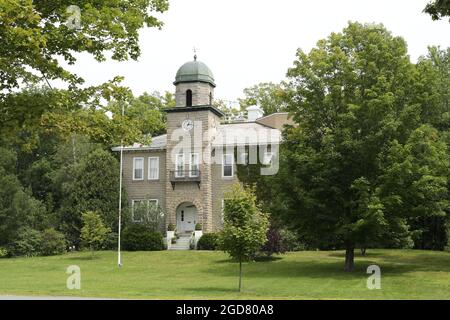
<point>269,115</point>
<point>212,83</point>
<point>117,149</point>
<point>196,108</point>
<point>255,122</point>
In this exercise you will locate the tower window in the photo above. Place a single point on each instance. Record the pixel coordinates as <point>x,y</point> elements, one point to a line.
<point>189,98</point>
<point>210,98</point>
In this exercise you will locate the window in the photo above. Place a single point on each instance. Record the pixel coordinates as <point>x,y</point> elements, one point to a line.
<point>153,204</point>
<point>153,168</point>
<point>179,173</point>
<point>194,169</point>
<point>189,98</point>
<point>227,165</point>
<point>210,98</point>
<point>138,168</point>
<point>140,209</point>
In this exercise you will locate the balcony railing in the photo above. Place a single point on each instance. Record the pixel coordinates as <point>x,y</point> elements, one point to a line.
<point>185,176</point>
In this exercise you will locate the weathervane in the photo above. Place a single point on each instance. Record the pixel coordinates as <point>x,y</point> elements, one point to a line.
<point>195,54</point>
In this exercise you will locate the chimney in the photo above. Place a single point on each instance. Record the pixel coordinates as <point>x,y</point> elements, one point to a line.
<point>253,113</point>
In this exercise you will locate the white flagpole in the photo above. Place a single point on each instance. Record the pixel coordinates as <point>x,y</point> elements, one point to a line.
<point>119,256</point>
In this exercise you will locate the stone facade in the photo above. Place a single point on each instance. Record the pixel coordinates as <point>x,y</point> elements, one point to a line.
<point>192,142</point>
<point>206,190</point>
<point>202,93</point>
<point>145,189</point>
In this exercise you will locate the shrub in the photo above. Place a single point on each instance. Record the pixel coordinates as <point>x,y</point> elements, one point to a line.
<point>53,243</point>
<point>27,243</point>
<point>111,241</point>
<point>93,233</point>
<point>291,242</point>
<point>198,227</point>
<point>274,243</point>
<point>3,252</point>
<point>137,237</point>
<point>209,241</point>
<point>171,227</point>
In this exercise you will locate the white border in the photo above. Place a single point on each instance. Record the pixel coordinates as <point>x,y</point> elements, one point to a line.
<point>232,165</point>
<point>134,168</point>
<point>157,163</point>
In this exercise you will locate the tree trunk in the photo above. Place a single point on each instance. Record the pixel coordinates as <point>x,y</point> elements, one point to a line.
<point>349,259</point>
<point>240,274</point>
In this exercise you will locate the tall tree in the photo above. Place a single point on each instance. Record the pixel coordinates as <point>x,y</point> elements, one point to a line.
<point>18,208</point>
<point>354,100</point>
<point>433,90</point>
<point>91,186</point>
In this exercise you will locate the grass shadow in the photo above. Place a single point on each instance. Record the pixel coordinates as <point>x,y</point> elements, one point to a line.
<point>218,290</point>
<point>84,258</point>
<point>369,254</point>
<point>267,259</point>
<point>257,259</point>
<point>324,267</point>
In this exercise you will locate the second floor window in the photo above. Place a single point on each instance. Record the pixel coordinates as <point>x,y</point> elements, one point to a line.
<point>227,165</point>
<point>138,168</point>
<point>194,169</point>
<point>179,166</point>
<point>153,168</point>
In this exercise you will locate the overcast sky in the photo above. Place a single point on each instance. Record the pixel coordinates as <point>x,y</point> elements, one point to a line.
<point>246,42</point>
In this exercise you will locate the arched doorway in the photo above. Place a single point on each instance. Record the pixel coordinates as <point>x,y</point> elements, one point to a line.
<point>186,217</point>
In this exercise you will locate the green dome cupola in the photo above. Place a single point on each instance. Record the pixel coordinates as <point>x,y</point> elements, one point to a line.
<point>194,71</point>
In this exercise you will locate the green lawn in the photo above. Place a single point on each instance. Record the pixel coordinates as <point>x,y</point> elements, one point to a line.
<point>406,274</point>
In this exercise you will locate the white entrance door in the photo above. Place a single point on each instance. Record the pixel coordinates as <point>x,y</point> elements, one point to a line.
<point>186,218</point>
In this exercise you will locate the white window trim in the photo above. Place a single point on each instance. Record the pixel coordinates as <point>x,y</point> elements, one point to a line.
<point>141,200</point>
<point>134,168</point>
<point>190,165</point>
<point>157,171</point>
<point>223,165</point>
<point>153,200</point>
<point>177,175</point>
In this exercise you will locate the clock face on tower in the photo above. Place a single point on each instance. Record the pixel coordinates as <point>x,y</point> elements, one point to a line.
<point>187,125</point>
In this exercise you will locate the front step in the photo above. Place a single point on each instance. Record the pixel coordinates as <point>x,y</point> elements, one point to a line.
<point>183,243</point>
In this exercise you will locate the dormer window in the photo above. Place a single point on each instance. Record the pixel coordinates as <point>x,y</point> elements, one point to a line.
<point>189,98</point>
